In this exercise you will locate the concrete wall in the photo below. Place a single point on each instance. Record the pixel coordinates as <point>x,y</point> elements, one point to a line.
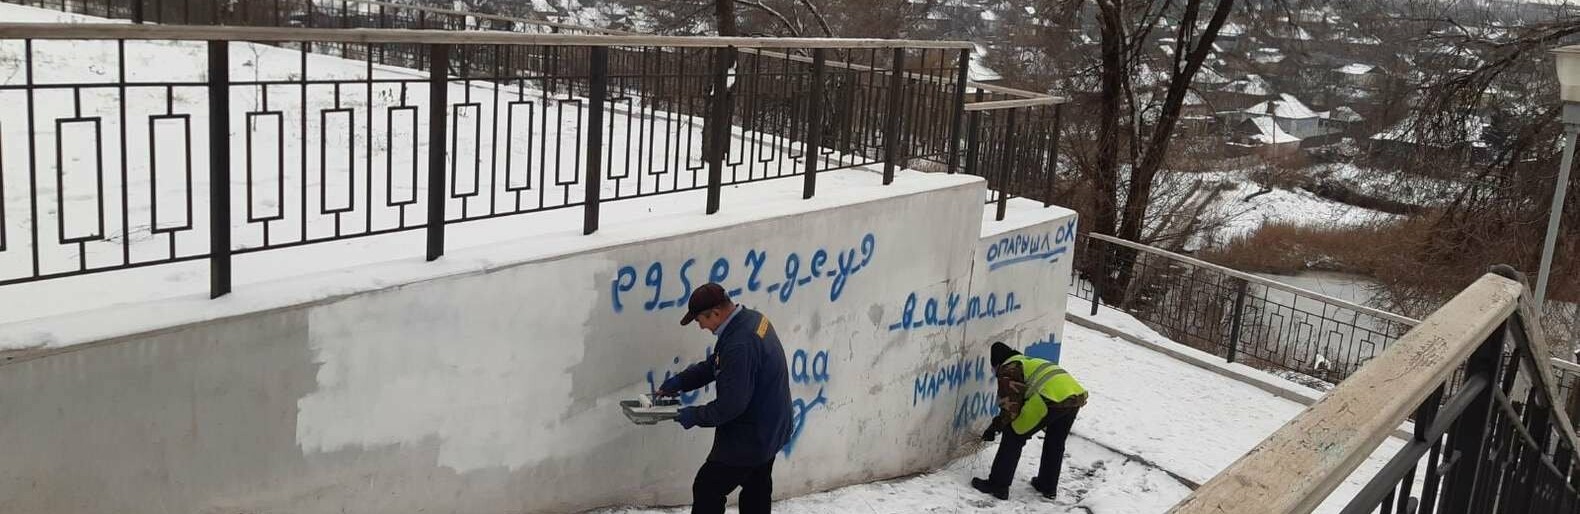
<point>496,390</point>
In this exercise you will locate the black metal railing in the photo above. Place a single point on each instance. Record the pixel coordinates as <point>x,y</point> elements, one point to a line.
<point>306,150</point>
<point>1015,148</point>
<point>1301,335</point>
<point>1499,442</point>
<point>1494,439</point>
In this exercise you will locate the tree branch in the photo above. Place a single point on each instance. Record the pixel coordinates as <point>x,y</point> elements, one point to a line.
<point>757,4</point>
<point>818,15</point>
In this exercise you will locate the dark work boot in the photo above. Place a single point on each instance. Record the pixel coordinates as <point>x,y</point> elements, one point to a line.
<point>1048,490</point>
<point>983,485</point>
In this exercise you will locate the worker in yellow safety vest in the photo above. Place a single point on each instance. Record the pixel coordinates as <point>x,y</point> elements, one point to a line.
<point>1033,394</point>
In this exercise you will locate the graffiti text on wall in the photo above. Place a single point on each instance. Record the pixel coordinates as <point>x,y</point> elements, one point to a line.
<point>1018,248</point>
<point>949,377</point>
<point>977,405</point>
<point>686,398</point>
<point>837,267</point>
<point>963,374</point>
<point>950,312</point>
<point>804,370</point>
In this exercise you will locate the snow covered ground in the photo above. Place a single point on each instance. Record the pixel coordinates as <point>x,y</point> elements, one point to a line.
<point>1246,210</point>
<point>1155,428</point>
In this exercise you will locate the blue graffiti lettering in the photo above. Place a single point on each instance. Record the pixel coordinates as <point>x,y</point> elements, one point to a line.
<point>976,307</point>
<point>948,378</point>
<point>623,281</point>
<point>1018,248</point>
<point>977,405</point>
<point>796,276</point>
<point>800,410</point>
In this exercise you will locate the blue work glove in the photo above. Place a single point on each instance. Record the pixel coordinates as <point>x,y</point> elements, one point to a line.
<point>991,433</point>
<point>670,387</point>
<point>687,417</point>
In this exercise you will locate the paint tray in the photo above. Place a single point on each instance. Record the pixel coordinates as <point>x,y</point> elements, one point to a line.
<point>647,410</point>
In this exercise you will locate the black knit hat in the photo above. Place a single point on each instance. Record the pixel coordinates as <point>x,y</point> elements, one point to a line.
<point>999,353</point>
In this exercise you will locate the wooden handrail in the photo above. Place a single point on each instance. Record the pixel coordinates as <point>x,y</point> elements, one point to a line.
<point>98,31</point>
<point>1297,467</point>
<point>1045,99</point>
<point>1014,104</point>
<point>1258,280</point>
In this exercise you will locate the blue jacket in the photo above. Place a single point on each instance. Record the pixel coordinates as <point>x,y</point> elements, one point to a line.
<point>752,410</point>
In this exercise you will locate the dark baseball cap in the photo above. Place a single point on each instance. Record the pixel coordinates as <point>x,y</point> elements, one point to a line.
<point>706,296</point>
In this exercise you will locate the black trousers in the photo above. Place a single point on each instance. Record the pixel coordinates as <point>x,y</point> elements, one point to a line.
<point>715,481</point>
<point>1057,428</point>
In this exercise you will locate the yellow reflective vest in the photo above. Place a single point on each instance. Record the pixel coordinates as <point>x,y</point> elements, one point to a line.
<point>1044,379</point>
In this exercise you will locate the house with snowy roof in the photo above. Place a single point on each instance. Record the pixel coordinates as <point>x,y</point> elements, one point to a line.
<point>1359,75</point>
<point>1261,136</point>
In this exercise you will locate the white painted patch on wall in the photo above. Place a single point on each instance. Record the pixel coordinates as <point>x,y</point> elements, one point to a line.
<point>398,368</point>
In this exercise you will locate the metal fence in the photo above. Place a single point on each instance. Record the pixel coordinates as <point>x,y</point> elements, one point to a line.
<point>1302,335</point>
<point>1497,442</point>
<point>299,150</point>
<point>1017,157</point>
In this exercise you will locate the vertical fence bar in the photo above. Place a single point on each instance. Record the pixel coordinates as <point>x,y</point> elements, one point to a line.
<point>219,167</point>
<point>962,78</point>
<point>597,90</point>
<point>1100,277</point>
<point>717,125</point>
<point>137,11</point>
<point>1470,430</point>
<point>438,103</point>
<point>1236,318</point>
<point>1053,153</point>
<point>814,138</point>
<point>972,139</point>
<point>891,126</point>
<point>1008,164</point>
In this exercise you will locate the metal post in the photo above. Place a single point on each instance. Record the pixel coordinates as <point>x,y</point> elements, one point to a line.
<point>1236,317</point>
<point>717,125</point>
<point>1099,278</point>
<point>219,167</point>
<point>962,79</point>
<point>1469,433</point>
<point>1053,153</point>
<point>438,103</point>
<point>597,90</point>
<point>137,12</point>
<point>814,137</point>
<point>891,126</point>
<point>1007,171</point>
<point>971,139</point>
<point>1571,127</point>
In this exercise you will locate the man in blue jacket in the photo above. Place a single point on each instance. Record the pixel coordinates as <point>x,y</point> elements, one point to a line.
<point>752,410</point>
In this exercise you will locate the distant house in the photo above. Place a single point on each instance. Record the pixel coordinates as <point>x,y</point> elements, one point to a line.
<point>1403,140</point>
<point>1239,94</point>
<point>1290,114</point>
<point>1229,36</point>
<point>1261,136</point>
<point>1359,75</point>
<point>1267,55</point>
<point>1341,119</point>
